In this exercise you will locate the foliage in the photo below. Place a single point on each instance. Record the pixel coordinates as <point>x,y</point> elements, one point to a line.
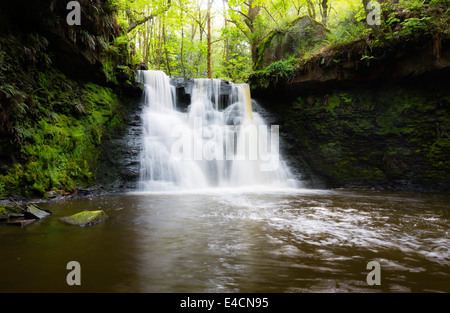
<point>51,126</point>
<point>415,26</point>
<point>282,69</point>
<point>59,138</point>
<point>351,27</point>
<point>8,210</point>
<point>174,36</point>
<point>276,73</point>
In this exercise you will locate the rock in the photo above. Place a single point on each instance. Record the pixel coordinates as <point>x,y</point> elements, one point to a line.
<point>119,162</point>
<point>178,82</point>
<point>300,36</point>
<point>34,212</point>
<point>184,89</point>
<point>366,136</point>
<point>125,75</point>
<point>142,66</point>
<point>86,218</point>
<point>21,218</point>
<point>343,66</point>
<point>225,87</point>
<point>51,194</point>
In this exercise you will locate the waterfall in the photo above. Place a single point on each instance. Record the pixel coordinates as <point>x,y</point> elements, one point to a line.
<point>212,144</point>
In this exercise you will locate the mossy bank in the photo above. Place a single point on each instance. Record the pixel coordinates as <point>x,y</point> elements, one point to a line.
<point>62,95</point>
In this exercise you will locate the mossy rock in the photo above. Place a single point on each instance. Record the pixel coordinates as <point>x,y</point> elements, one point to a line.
<point>299,36</point>
<point>6,211</point>
<point>86,218</point>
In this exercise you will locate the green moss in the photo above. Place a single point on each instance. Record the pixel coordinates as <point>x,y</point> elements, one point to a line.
<point>333,102</point>
<point>86,218</point>
<point>59,146</point>
<point>373,136</point>
<point>258,62</point>
<point>5,211</point>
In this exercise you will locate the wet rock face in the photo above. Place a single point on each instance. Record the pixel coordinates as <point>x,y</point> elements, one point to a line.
<point>384,137</point>
<point>119,162</point>
<point>225,87</point>
<point>184,90</point>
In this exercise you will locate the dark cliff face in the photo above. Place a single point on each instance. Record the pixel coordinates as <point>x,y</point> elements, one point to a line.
<point>383,124</point>
<point>77,50</point>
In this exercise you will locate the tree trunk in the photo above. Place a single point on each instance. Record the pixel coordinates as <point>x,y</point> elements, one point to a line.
<point>252,13</point>
<point>324,12</point>
<point>227,42</point>
<point>182,40</point>
<point>311,10</point>
<point>208,53</point>
<point>199,60</point>
<point>165,47</point>
<point>158,50</point>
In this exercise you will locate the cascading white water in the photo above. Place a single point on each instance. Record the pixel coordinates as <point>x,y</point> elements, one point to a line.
<point>206,146</point>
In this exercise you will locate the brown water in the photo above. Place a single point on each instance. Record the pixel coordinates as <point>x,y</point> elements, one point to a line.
<point>230,241</point>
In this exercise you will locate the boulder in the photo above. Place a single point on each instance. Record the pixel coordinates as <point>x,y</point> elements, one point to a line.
<point>300,36</point>
<point>86,218</point>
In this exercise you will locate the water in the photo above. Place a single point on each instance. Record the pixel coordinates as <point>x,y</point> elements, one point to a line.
<point>213,144</point>
<point>230,240</point>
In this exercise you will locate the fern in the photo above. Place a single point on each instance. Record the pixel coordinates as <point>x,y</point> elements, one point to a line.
<point>9,91</point>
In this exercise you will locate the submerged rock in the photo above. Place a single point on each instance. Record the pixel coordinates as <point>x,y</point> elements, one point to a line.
<point>86,218</point>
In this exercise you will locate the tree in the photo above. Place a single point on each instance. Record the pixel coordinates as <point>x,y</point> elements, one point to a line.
<point>245,16</point>
<point>324,4</point>
<point>138,12</point>
<point>208,22</point>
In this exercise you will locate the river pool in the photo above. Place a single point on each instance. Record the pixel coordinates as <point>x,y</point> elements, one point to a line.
<point>229,240</point>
